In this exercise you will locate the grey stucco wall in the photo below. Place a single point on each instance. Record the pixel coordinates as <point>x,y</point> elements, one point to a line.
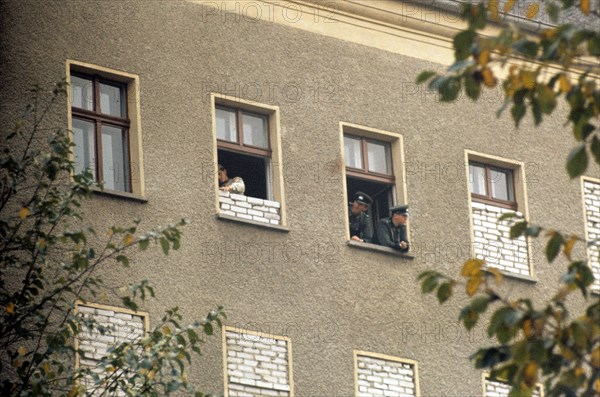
<point>327,297</point>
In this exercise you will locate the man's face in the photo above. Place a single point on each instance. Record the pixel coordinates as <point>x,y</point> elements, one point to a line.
<point>357,207</point>
<point>399,219</point>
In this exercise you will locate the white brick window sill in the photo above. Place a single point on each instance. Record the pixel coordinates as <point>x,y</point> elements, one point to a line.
<point>380,249</point>
<point>253,223</point>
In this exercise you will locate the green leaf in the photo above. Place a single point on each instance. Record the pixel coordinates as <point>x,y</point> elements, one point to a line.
<point>517,229</point>
<point>526,47</point>
<point>577,161</point>
<point>144,244</point>
<point>546,98</point>
<point>444,292</point>
<point>508,215</point>
<point>165,245</point>
<point>429,284</point>
<point>553,247</point>
<point>595,149</point>
<point>462,44</point>
<point>553,12</point>
<point>518,112</point>
<point>480,303</point>
<point>472,87</point>
<point>449,89</point>
<point>208,329</point>
<point>424,76</point>
<point>123,259</point>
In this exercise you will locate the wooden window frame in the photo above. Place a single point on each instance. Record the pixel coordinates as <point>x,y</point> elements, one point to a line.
<point>364,172</point>
<point>98,118</point>
<point>487,198</point>
<point>240,146</point>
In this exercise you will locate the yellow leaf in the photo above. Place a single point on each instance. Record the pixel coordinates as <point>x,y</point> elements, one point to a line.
<point>166,330</point>
<point>22,350</point>
<point>73,392</point>
<point>527,78</point>
<point>585,6</point>
<point>509,5</point>
<point>181,356</point>
<point>532,10</point>
<point>493,9</point>
<point>565,84</point>
<point>128,239</point>
<point>473,285</point>
<point>472,267</point>
<point>527,327</point>
<point>10,308</point>
<point>488,77</point>
<point>151,374</point>
<point>41,244</point>
<point>24,212</point>
<point>46,367</point>
<point>530,374</point>
<point>596,358</point>
<point>484,57</point>
<point>497,274</point>
<point>110,369</point>
<point>597,385</point>
<point>569,246</point>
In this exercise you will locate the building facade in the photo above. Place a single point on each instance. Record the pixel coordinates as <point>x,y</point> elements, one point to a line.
<point>309,102</point>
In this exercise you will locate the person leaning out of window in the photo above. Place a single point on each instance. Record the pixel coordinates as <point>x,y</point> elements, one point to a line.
<point>360,225</point>
<point>391,232</point>
<point>233,185</point>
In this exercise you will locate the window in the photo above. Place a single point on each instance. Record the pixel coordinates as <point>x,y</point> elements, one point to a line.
<point>591,205</point>
<point>102,328</point>
<point>494,185</point>
<point>497,186</point>
<point>373,164</point>
<point>104,120</point>
<point>244,148</point>
<point>494,388</point>
<point>383,375</point>
<point>257,364</point>
<point>247,146</point>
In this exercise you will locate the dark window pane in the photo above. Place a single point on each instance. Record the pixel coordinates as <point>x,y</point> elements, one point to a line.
<point>111,100</point>
<point>82,93</point>
<point>85,148</point>
<point>352,152</point>
<point>477,179</point>
<point>255,130</point>
<point>115,161</point>
<point>226,126</point>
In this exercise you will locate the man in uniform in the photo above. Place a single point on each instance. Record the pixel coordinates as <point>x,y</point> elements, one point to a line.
<point>360,224</point>
<point>391,232</point>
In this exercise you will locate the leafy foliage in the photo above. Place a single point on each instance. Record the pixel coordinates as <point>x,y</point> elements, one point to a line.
<point>48,262</point>
<point>562,61</point>
<point>555,343</point>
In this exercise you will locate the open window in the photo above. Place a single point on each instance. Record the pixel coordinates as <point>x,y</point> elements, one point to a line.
<point>247,147</point>
<point>374,165</point>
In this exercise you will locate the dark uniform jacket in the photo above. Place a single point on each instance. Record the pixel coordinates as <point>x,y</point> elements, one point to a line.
<point>360,225</point>
<point>388,235</point>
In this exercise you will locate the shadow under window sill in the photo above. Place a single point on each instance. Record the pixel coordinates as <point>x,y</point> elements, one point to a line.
<point>380,249</point>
